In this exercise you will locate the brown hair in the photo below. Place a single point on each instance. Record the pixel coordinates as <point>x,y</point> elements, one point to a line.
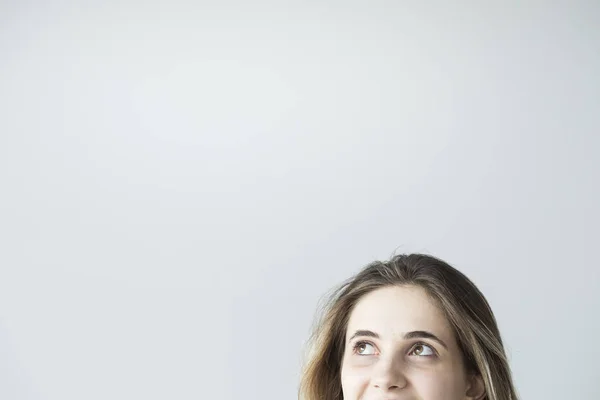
<point>464,305</point>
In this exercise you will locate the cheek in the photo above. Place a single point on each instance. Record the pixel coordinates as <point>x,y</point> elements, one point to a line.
<point>439,385</point>
<point>354,381</point>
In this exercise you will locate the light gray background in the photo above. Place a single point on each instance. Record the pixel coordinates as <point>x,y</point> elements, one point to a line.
<point>181,182</point>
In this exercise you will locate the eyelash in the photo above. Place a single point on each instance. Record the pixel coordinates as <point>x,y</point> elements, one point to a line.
<point>363,342</point>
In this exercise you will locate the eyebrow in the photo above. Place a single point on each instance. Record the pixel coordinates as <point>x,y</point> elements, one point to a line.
<point>408,335</point>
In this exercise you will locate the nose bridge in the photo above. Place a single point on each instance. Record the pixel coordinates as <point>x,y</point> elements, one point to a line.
<point>389,372</point>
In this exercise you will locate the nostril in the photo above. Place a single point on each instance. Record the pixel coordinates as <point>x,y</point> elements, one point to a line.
<point>388,387</point>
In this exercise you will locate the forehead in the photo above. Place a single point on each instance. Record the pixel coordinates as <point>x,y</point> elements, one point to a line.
<point>396,310</point>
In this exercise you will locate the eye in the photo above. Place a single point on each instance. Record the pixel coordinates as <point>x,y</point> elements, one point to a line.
<point>422,350</point>
<point>364,349</point>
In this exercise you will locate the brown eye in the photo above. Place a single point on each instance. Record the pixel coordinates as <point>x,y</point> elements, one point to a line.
<point>422,350</point>
<point>364,349</point>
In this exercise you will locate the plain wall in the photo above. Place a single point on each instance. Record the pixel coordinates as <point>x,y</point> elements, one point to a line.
<point>181,182</point>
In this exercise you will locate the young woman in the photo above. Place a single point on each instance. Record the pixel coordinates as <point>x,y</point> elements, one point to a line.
<point>409,328</point>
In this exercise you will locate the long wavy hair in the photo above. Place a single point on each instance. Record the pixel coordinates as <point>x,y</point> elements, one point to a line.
<point>463,304</point>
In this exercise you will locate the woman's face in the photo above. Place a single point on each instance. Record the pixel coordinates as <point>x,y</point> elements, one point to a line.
<point>399,346</point>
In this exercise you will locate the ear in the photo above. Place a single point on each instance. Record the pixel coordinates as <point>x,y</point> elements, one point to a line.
<point>475,388</point>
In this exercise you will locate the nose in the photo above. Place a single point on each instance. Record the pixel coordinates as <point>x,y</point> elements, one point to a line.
<point>388,376</point>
